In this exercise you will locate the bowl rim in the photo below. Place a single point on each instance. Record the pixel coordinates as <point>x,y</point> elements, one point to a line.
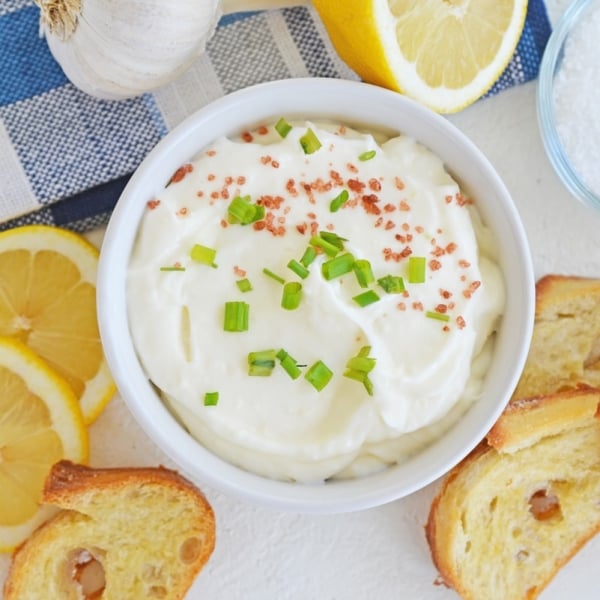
<point>195,461</point>
<point>545,105</point>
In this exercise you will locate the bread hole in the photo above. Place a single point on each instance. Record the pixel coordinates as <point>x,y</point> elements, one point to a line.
<point>87,573</point>
<point>157,591</point>
<point>190,550</point>
<point>493,503</point>
<point>468,547</point>
<point>544,506</point>
<point>463,521</point>
<point>516,532</point>
<point>522,555</point>
<point>593,357</point>
<point>186,333</point>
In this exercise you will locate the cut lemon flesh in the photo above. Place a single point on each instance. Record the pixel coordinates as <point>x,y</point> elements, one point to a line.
<point>48,302</point>
<point>40,423</point>
<point>443,53</point>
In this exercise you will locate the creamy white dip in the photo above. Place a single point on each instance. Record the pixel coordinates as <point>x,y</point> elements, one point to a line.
<point>431,343</point>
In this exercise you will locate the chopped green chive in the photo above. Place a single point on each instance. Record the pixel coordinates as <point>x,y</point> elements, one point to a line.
<point>282,127</point>
<point>319,375</point>
<point>431,314</point>
<point>368,155</point>
<point>211,398</point>
<point>310,142</point>
<point>172,268</point>
<point>363,272</point>
<point>261,363</point>
<point>416,269</point>
<point>298,268</point>
<point>339,201</point>
<point>236,316</point>
<point>358,368</point>
<point>242,211</point>
<point>333,238</point>
<point>204,255</point>
<point>289,364</point>
<point>244,285</point>
<point>274,276</point>
<point>309,256</point>
<point>338,266</point>
<point>329,249</point>
<point>366,298</point>
<point>292,294</point>
<point>392,284</point>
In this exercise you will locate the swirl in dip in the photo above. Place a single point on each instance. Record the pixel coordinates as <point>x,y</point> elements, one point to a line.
<point>425,332</point>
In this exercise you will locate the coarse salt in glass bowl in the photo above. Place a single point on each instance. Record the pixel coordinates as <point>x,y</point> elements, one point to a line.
<point>568,110</point>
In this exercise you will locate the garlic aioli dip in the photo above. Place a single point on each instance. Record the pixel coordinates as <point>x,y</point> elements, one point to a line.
<point>430,343</point>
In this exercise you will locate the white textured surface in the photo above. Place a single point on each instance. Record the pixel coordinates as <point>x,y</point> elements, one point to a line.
<point>381,553</point>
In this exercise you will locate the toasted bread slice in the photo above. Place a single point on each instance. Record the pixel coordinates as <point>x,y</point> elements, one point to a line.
<point>565,347</point>
<point>503,523</point>
<point>122,533</point>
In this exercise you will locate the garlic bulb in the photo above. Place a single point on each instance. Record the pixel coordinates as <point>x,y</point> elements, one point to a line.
<point>118,49</point>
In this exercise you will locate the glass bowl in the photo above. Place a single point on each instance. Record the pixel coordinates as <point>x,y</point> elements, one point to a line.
<point>558,148</point>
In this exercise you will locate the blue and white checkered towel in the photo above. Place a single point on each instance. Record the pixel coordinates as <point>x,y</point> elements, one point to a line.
<point>65,156</point>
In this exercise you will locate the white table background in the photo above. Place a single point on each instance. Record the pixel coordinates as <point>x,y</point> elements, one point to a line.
<point>381,553</point>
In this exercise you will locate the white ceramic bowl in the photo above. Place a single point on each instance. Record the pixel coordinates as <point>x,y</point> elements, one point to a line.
<point>355,104</point>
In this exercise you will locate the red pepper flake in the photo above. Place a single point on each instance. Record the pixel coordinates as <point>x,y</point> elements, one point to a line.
<point>314,228</point>
<point>441,308</point>
<point>308,189</point>
<point>356,185</point>
<point>462,200</point>
<point>228,180</point>
<point>272,202</point>
<point>398,183</point>
<point>404,205</point>
<point>200,193</point>
<point>329,227</point>
<point>290,186</point>
<point>419,229</point>
<point>241,180</point>
<point>352,168</point>
<point>369,203</point>
<point>435,265</point>
<point>320,185</point>
<point>406,252</point>
<point>473,286</point>
<point>463,277</point>
<point>342,130</point>
<point>389,207</point>
<point>390,225</point>
<point>379,222</point>
<point>401,306</point>
<point>214,195</point>
<point>183,211</point>
<point>374,185</point>
<point>465,264</point>
<point>438,251</point>
<point>259,225</point>
<point>448,199</point>
<point>400,238</point>
<point>439,231</point>
<point>433,241</point>
<point>311,215</point>
<point>445,328</point>
<point>262,130</point>
<point>224,224</point>
<point>225,193</point>
<point>181,173</point>
<point>417,305</point>
<point>301,227</point>
<point>336,178</point>
<point>239,272</point>
<point>460,322</point>
<point>445,294</point>
<point>275,164</point>
<point>211,177</point>
<point>247,136</point>
<point>152,204</point>
<point>211,152</point>
<point>451,247</point>
<point>451,305</point>
<point>265,160</point>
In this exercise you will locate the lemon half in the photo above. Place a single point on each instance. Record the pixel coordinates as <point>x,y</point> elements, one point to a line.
<point>443,53</point>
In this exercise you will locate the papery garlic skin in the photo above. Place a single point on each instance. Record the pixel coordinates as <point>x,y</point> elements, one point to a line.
<point>123,48</point>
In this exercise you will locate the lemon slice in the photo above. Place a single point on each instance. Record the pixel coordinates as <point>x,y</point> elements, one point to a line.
<point>40,423</point>
<point>443,53</point>
<point>48,302</point>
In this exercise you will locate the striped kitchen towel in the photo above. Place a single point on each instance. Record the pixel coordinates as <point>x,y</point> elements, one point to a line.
<point>65,156</point>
